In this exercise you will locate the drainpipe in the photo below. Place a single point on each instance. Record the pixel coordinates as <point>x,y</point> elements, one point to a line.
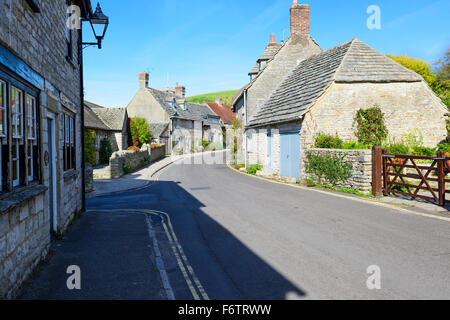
<point>244,134</point>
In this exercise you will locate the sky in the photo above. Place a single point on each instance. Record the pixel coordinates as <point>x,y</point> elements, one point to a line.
<point>211,45</point>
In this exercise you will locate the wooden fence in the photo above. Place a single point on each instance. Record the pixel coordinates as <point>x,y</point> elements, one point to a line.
<point>418,177</point>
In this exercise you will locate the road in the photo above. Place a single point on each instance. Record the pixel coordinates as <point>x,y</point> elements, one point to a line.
<point>224,235</point>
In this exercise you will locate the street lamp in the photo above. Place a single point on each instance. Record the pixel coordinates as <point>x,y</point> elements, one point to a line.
<point>99,23</point>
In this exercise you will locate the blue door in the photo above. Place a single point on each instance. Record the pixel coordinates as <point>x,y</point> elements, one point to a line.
<point>290,154</point>
<point>269,151</point>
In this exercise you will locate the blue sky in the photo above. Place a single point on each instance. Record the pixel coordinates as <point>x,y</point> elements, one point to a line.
<point>210,45</point>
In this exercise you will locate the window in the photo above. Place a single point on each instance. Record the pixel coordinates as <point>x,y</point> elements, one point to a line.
<point>16,103</point>
<point>19,152</point>
<point>69,142</point>
<point>31,137</point>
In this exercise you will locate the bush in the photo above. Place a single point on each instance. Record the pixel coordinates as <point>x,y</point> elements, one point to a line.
<point>204,143</point>
<point>398,148</point>
<point>89,147</point>
<point>370,126</point>
<point>445,147</point>
<point>325,141</point>
<point>328,168</point>
<point>423,151</point>
<point>240,166</point>
<point>253,169</point>
<point>140,133</point>
<point>137,149</point>
<point>105,151</point>
<point>353,145</point>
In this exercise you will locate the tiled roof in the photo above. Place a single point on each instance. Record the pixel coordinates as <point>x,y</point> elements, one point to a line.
<point>114,118</point>
<point>158,128</point>
<point>192,111</point>
<point>92,121</point>
<point>254,70</point>
<point>224,112</point>
<point>353,61</point>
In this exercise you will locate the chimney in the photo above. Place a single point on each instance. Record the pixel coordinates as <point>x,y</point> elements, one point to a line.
<point>272,42</point>
<point>180,92</point>
<point>219,101</point>
<point>143,80</point>
<point>300,19</point>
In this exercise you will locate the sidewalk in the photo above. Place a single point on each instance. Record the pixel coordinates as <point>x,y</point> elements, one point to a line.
<point>132,181</point>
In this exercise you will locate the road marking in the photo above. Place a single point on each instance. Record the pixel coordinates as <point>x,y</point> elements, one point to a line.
<point>380,204</point>
<point>182,260</point>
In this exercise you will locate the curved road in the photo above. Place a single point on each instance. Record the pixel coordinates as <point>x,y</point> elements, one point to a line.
<point>224,235</point>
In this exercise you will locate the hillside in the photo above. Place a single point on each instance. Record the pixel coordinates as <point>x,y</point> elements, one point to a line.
<point>227,97</point>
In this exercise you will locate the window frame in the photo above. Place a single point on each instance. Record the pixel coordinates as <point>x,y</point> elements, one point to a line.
<point>4,109</point>
<point>17,143</point>
<point>69,141</point>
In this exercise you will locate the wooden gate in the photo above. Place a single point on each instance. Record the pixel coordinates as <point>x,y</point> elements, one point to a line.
<point>418,177</point>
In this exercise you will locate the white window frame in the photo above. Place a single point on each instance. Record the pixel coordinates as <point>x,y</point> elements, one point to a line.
<point>3,108</point>
<point>17,115</point>
<point>31,117</point>
<point>16,182</point>
<point>30,159</point>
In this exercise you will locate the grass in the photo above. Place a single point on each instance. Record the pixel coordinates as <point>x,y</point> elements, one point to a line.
<point>227,97</point>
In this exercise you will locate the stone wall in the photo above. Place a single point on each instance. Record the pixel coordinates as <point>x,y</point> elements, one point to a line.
<point>158,153</point>
<point>406,106</point>
<point>89,177</point>
<point>130,160</point>
<point>362,167</point>
<point>24,239</point>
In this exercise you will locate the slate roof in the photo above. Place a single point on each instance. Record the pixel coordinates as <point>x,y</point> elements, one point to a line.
<point>114,118</point>
<point>268,53</point>
<point>254,70</point>
<point>224,112</point>
<point>158,128</point>
<point>194,111</point>
<point>100,118</point>
<point>353,61</point>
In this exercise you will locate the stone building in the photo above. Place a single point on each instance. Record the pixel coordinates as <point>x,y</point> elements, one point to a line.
<point>41,187</point>
<point>274,64</point>
<point>108,123</point>
<point>179,124</point>
<point>322,95</point>
<point>225,112</point>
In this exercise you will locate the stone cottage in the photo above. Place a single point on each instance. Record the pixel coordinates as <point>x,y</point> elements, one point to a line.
<point>41,159</point>
<point>108,123</point>
<point>323,94</point>
<point>274,64</point>
<point>181,125</point>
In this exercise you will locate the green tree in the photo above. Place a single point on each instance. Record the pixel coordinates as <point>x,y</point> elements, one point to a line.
<point>370,126</point>
<point>89,147</point>
<point>419,66</point>
<point>442,87</point>
<point>140,133</point>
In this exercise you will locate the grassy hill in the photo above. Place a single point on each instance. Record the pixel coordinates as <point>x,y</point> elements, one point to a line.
<point>227,97</point>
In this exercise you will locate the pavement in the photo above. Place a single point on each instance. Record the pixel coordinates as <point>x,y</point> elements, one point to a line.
<point>204,231</point>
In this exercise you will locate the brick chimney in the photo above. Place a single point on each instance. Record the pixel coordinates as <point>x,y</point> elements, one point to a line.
<point>300,19</point>
<point>143,80</point>
<point>272,42</point>
<point>219,102</point>
<point>180,91</point>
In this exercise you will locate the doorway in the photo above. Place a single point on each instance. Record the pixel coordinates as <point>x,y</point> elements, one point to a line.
<point>52,165</point>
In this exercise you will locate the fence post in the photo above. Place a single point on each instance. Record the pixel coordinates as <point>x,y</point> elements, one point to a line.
<point>377,167</point>
<point>385,174</point>
<point>441,177</point>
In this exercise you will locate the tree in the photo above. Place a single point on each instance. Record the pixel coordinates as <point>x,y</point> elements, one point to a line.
<point>419,66</point>
<point>443,78</point>
<point>140,133</point>
<point>89,147</point>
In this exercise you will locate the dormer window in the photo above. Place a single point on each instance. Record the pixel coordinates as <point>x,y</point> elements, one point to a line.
<point>259,66</point>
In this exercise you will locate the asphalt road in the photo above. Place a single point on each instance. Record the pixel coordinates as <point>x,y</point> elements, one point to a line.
<point>224,235</point>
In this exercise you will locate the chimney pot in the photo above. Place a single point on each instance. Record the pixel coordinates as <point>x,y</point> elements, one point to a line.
<point>143,80</point>
<point>300,19</point>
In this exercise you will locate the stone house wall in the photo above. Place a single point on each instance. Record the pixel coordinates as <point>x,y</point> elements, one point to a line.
<point>406,106</point>
<point>297,48</point>
<point>361,161</point>
<point>33,49</point>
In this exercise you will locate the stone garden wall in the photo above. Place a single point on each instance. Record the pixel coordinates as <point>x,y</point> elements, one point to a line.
<point>158,153</point>
<point>24,238</point>
<point>362,167</point>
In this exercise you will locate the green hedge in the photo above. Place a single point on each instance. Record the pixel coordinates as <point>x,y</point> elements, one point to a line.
<point>89,147</point>
<point>328,168</point>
